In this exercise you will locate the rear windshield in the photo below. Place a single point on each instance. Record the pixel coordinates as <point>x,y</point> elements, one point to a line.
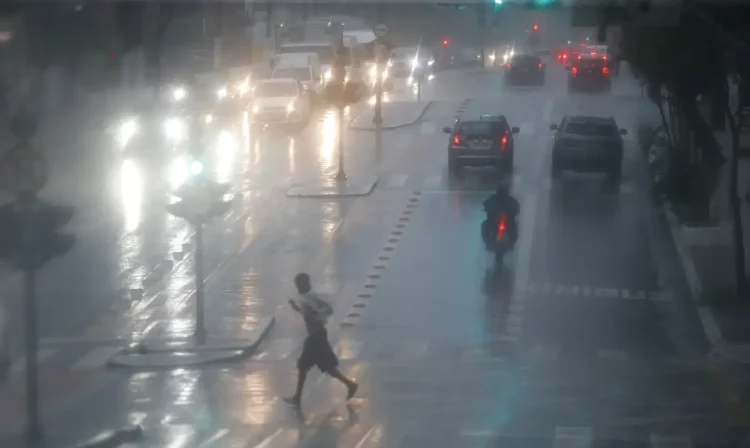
<point>526,59</point>
<point>591,63</point>
<point>481,128</point>
<point>298,73</point>
<point>591,129</point>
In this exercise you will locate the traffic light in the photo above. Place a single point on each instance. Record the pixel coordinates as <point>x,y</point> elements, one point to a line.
<point>200,200</point>
<point>31,233</point>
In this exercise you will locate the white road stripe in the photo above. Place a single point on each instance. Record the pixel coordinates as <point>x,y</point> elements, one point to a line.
<point>375,433</point>
<point>95,358</point>
<point>19,365</point>
<point>397,181</point>
<point>281,438</point>
<point>573,437</point>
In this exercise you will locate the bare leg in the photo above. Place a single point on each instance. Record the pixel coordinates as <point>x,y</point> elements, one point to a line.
<point>297,398</point>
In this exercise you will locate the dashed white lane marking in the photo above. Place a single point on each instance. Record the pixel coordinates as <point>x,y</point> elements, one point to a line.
<point>397,181</point>
<point>373,433</point>
<point>664,441</point>
<point>19,365</point>
<point>433,181</point>
<point>348,349</point>
<point>411,350</point>
<point>573,437</point>
<point>281,438</point>
<point>95,358</point>
<point>215,437</point>
<point>279,349</point>
<point>427,128</point>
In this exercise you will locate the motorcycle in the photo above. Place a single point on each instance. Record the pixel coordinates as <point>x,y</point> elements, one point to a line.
<point>500,239</point>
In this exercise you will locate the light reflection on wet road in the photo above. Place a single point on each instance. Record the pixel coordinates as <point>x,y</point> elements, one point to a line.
<point>449,351</point>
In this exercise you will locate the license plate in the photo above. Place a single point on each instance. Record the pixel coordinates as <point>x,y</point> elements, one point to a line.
<point>480,145</point>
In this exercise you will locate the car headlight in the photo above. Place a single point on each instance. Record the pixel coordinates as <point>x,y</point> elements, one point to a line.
<point>415,63</point>
<point>373,72</point>
<point>126,131</point>
<point>222,93</point>
<point>256,109</point>
<point>174,129</point>
<point>290,108</point>
<point>243,87</point>
<point>385,74</point>
<point>179,93</point>
<point>430,62</point>
<point>328,75</point>
<point>390,63</point>
<point>209,119</point>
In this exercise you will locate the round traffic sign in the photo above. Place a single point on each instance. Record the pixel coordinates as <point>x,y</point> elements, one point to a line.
<point>380,30</point>
<point>24,171</point>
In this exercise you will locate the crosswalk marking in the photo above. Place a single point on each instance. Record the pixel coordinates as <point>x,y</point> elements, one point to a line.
<point>411,350</point>
<point>42,355</point>
<point>95,358</point>
<point>397,181</point>
<point>279,349</point>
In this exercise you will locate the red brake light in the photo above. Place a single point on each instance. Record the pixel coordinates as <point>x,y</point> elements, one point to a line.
<point>503,142</point>
<point>501,228</point>
<point>574,70</point>
<point>539,66</point>
<point>605,71</point>
<point>456,140</point>
<point>536,27</point>
<point>445,42</point>
<point>565,55</point>
<point>604,57</point>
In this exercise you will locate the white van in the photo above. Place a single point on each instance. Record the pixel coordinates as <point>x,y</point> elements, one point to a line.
<point>306,65</point>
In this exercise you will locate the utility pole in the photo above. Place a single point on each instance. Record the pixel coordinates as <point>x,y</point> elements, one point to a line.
<point>377,118</point>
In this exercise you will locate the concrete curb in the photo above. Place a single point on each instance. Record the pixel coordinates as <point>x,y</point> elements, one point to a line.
<point>186,354</point>
<point>112,439</point>
<point>402,125</point>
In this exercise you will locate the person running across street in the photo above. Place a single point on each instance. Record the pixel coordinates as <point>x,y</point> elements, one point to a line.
<point>316,350</point>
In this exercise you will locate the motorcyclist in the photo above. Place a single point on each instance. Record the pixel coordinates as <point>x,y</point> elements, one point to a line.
<point>498,204</point>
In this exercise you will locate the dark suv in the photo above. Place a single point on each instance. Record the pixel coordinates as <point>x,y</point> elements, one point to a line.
<point>484,141</point>
<point>525,69</point>
<point>588,144</point>
<point>589,72</point>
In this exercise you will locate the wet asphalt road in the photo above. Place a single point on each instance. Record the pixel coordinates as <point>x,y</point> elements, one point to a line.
<point>576,341</point>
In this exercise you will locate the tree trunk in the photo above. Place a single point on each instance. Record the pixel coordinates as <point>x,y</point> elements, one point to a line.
<point>735,204</point>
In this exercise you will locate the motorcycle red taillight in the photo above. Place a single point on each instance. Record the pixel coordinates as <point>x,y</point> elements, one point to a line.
<point>605,71</point>
<point>539,66</point>
<point>503,142</point>
<point>501,228</point>
<point>456,140</point>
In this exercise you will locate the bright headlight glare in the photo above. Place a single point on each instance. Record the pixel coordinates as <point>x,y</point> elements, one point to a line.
<point>222,93</point>
<point>256,109</point>
<point>179,93</point>
<point>290,107</point>
<point>373,72</point>
<point>174,129</point>
<point>328,75</point>
<point>209,119</point>
<point>244,87</point>
<point>430,62</point>
<point>415,63</point>
<point>127,130</point>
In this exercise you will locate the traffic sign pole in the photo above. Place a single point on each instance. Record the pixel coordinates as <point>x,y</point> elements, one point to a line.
<point>380,31</point>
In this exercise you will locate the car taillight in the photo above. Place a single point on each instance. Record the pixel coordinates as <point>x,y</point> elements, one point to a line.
<point>605,71</point>
<point>503,142</point>
<point>539,66</point>
<point>565,56</point>
<point>501,228</point>
<point>456,140</point>
<point>574,70</point>
<point>508,64</point>
<point>604,57</point>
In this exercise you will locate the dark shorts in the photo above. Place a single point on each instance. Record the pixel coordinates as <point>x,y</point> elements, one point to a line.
<point>317,351</point>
